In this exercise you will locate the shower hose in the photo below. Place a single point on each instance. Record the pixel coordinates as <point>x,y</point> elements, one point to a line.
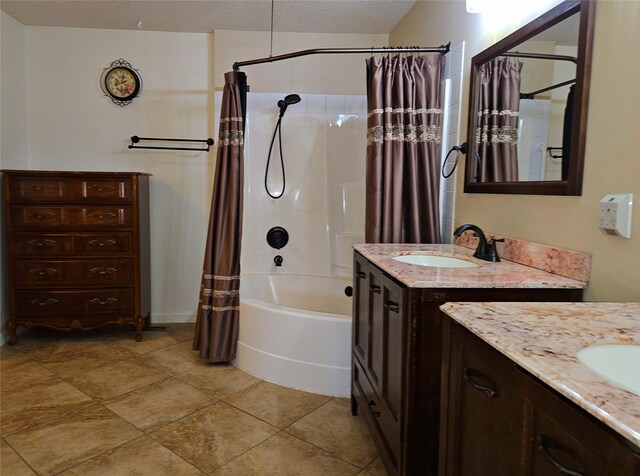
<point>278,130</point>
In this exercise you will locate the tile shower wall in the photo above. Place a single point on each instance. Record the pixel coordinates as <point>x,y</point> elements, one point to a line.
<point>323,139</point>
<point>452,83</point>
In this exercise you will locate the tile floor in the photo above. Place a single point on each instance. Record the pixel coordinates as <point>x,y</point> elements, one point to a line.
<point>99,403</point>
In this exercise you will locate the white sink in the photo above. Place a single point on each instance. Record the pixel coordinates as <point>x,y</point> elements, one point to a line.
<point>435,261</point>
<point>619,363</point>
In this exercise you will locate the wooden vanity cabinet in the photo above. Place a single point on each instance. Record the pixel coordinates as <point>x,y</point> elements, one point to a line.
<point>397,357</point>
<point>77,248</point>
<point>498,419</point>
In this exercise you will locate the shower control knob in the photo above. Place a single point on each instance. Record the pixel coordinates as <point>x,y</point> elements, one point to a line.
<point>277,237</point>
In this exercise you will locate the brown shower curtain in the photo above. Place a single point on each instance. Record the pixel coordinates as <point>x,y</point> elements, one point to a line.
<point>403,149</point>
<point>497,131</point>
<point>216,334</point>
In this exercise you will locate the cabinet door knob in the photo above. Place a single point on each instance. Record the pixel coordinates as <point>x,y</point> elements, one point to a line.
<point>374,408</point>
<point>392,306</point>
<point>468,376</point>
<point>361,274</point>
<point>544,447</point>
<point>374,288</point>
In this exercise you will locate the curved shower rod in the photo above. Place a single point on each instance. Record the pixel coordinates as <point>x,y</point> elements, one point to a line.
<point>444,49</point>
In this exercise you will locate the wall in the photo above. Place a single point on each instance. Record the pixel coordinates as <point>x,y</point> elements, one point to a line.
<point>73,126</point>
<point>325,74</point>
<point>13,121</point>
<point>611,164</point>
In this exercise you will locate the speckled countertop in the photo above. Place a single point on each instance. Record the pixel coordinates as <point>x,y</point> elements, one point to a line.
<point>544,338</point>
<point>504,274</point>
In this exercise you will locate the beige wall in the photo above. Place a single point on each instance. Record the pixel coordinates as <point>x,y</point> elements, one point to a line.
<point>611,161</point>
<point>320,74</point>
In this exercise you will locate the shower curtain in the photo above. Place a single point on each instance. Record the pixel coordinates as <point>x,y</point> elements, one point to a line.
<point>498,111</point>
<point>216,334</point>
<point>403,145</point>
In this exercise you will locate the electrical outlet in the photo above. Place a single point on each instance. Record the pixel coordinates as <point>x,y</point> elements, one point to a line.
<point>615,214</point>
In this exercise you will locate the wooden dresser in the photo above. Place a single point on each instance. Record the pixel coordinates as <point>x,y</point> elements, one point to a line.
<point>77,248</point>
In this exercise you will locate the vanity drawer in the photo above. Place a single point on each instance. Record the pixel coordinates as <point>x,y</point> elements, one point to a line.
<point>73,272</point>
<point>67,190</point>
<point>70,217</point>
<point>35,303</point>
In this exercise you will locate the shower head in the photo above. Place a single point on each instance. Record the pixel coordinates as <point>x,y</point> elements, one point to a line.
<point>287,101</point>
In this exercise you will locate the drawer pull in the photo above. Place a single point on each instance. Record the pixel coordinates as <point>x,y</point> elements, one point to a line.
<point>103,302</point>
<point>41,216</point>
<point>39,188</point>
<point>101,188</point>
<point>41,243</point>
<point>102,215</point>
<point>103,271</point>
<point>44,302</point>
<point>544,447</point>
<point>43,272</point>
<point>361,274</point>
<point>97,242</point>
<point>374,288</point>
<point>392,306</point>
<point>468,376</point>
<point>374,408</point>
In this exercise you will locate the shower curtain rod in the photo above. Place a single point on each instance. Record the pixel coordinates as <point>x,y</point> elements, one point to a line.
<point>518,54</point>
<point>444,49</point>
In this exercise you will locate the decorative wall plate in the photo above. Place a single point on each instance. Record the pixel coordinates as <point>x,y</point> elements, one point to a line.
<point>120,82</point>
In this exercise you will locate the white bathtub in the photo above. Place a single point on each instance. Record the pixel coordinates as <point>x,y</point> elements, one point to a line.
<point>295,331</point>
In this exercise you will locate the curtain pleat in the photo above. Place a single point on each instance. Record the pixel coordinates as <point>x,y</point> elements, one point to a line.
<point>217,323</point>
<point>498,114</point>
<point>403,149</point>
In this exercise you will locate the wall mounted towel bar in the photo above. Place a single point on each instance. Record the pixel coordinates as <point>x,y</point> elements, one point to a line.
<point>136,140</point>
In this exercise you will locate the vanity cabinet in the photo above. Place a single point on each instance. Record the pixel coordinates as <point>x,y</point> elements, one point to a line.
<point>498,419</point>
<point>397,357</point>
<point>77,248</point>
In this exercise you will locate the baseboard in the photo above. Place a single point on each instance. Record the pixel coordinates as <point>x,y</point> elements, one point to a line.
<point>174,317</point>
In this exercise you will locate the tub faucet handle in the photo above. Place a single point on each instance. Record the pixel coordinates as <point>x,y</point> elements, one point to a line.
<point>278,260</point>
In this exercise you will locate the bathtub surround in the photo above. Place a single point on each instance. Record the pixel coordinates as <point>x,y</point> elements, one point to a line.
<point>216,335</point>
<point>403,162</point>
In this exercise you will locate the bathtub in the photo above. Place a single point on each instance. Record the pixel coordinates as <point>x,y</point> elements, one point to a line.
<point>295,331</point>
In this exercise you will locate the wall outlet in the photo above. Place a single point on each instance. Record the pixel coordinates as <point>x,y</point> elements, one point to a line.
<point>615,214</point>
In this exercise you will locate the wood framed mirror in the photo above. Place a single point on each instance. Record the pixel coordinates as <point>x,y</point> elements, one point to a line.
<point>529,96</point>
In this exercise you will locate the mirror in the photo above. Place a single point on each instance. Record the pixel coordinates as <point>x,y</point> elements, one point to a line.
<point>528,106</point>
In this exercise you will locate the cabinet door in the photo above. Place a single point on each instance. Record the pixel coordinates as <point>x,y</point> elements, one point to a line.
<point>561,439</point>
<point>485,410</point>
<point>361,308</point>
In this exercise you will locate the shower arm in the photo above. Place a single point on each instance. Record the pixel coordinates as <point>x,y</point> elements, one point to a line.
<point>443,49</point>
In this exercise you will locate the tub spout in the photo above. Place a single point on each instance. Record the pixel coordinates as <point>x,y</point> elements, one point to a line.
<point>278,260</point>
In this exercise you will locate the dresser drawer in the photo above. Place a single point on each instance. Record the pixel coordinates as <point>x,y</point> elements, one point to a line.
<point>34,303</point>
<point>71,244</point>
<point>42,244</point>
<point>103,243</point>
<point>68,190</point>
<point>73,272</point>
<point>48,218</point>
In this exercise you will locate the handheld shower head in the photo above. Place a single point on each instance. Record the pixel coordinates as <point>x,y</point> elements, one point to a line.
<point>287,101</point>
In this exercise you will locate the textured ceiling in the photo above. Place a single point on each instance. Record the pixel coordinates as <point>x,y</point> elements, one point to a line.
<point>314,16</point>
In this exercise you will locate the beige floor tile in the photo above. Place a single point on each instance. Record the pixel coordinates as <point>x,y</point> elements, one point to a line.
<point>182,331</point>
<point>39,404</point>
<point>214,436</point>
<point>285,455</point>
<point>22,372</point>
<point>155,405</point>
<point>72,439</point>
<point>175,359</point>
<point>8,352</point>
<point>140,457</point>
<point>151,341</point>
<point>11,464</point>
<point>116,379</point>
<point>218,380</point>
<point>79,358</point>
<point>376,468</point>
<point>274,404</point>
<point>332,428</point>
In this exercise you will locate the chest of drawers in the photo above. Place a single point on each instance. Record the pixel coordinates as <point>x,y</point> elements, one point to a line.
<point>77,249</point>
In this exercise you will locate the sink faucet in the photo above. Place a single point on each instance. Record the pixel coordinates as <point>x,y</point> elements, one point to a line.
<point>485,250</point>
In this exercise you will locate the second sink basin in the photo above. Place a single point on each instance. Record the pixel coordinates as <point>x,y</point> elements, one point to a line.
<point>435,261</point>
<point>619,363</point>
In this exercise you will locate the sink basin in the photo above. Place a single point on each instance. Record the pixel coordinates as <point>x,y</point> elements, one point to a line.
<point>435,261</point>
<point>619,363</point>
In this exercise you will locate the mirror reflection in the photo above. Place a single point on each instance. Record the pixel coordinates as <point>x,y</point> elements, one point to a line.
<point>528,107</point>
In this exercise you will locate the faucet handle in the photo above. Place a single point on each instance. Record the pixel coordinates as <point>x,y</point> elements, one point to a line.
<point>493,252</point>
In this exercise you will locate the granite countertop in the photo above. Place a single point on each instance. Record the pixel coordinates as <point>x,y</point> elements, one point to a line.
<point>544,338</point>
<point>504,274</point>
